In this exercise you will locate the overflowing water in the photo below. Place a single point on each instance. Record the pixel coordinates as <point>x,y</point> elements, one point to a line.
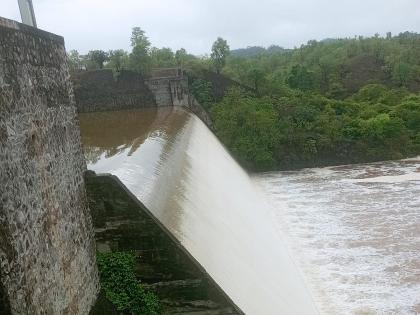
<point>172,163</point>
<point>355,231</point>
<point>346,239</point>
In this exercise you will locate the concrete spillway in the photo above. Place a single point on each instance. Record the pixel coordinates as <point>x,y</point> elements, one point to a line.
<point>173,163</point>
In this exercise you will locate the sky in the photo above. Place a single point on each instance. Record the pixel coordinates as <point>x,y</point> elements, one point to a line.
<point>195,24</point>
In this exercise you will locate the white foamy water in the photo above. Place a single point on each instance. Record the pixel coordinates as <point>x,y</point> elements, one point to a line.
<point>355,232</point>
<point>173,163</point>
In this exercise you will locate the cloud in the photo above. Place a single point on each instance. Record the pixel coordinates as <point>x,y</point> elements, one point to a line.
<point>194,25</point>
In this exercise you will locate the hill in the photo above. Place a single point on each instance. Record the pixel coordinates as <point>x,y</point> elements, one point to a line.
<point>253,51</point>
<point>325,103</point>
<point>333,67</point>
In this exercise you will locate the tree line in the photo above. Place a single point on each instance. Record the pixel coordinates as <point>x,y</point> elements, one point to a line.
<point>143,57</point>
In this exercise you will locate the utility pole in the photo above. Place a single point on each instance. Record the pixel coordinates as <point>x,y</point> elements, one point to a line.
<point>27,12</point>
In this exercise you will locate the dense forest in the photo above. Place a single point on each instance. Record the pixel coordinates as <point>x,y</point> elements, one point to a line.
<point>327,102</point>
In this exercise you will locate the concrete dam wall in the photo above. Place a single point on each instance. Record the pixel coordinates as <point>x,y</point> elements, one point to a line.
<point>101,91</point>
<point>171,162</point>
<point>47,252</point>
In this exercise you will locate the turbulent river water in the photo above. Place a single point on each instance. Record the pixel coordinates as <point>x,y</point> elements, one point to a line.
<point>355,232</point>
<point>338,240</point>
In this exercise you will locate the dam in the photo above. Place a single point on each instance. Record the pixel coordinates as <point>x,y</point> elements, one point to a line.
<point>338,240</point>
<point>171,162</point>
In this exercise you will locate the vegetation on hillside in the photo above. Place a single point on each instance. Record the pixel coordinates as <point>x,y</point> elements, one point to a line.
<point>330,102</point>
<point>336,68</point>
<point>254,51</point>
<point>303,129</point>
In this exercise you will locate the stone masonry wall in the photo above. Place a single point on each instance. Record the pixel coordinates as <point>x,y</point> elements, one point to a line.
<point>163,266</point>
<point>100,91</point>
<point>47,251</point>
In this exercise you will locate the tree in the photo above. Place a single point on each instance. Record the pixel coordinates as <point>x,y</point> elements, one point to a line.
<point>401,73</point>
<point>117,60</point>
<point>139,38</point>
<point>74,60</point>
<point>98,57</point>
<point>139,57</point>
<point>409,112</point>
<point>219,52</point>
<point>181,57</point>
<point>203,92</point>
<point>301,78</point>
<point>249,127</point>
<point>371,93</point>
<point>256,76</point>
<point>162,57</point>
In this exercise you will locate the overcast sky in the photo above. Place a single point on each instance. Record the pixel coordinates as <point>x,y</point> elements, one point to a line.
<point>195,24</point>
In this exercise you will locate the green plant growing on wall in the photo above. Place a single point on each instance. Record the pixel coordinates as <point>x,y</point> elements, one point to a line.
<point>119,283</point>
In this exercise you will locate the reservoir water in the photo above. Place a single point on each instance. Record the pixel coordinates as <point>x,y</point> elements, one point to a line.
<point>336,240</point>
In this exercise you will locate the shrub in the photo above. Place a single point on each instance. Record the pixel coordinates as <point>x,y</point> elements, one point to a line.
<point>119,283</point>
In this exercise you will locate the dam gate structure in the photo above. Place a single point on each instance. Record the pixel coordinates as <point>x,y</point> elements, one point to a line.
<point>170,87</point>
<point>47,249</point>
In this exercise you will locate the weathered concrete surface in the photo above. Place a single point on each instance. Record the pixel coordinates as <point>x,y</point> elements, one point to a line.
<point>170,88</point>
<point>47,251</point>
<point>97,91</point>
<point>123,223</point>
